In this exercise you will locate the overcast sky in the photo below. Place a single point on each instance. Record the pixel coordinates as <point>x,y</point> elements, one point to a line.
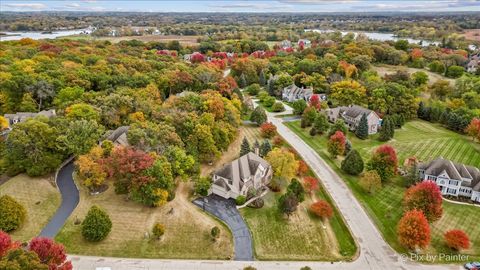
<point>243,6</point>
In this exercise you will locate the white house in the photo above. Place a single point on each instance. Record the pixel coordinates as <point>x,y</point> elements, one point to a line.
<point>293,92</point>
<point>239,176</point>
<point>473,64</point>
<point>453,179</point>
<point>285,44</point>
<point>352,116</point>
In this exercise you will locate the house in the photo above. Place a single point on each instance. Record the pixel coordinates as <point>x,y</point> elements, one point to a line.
<point>304,42</point>
<point>285,44</point>
<point>18,117</point>
<point>453,179</point>
<point>352,115</point>
<point>473,64</point>
<point>118,136</point>
<point>293,92</point>
<point>239,176</point>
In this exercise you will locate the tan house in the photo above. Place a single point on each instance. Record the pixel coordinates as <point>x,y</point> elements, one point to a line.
<point>239,176</point>
<point>352,115</point>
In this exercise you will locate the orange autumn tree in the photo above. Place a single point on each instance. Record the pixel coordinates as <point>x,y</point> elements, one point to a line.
<point>473,129</point>
<point>268,130</point>
<point>424,196</point>
<point>310,184</point>
<point>322,209</point>
<point>413,230</point>
<point>302,168</point>
<point>457,239</point>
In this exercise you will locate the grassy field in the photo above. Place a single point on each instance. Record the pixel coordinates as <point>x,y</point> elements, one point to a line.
<point>184,40</point>
<point>40,198</point>
<point>302,236</point>
<point>187,234</point>
<point>432,76</point>
<point>384,207</point>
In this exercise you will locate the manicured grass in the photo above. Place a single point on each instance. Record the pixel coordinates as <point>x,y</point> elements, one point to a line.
<point>40,198</point>
<point>187,229</point>
<point>384,207</point>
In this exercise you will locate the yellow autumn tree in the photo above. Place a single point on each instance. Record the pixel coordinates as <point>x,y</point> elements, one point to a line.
<point>89,170</point>
<point>283,163</point>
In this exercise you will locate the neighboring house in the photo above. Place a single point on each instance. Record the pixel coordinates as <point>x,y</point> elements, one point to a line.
<point>18,117</point>
<point>453,179</point>
<point>285,44</point>
<point>473,64</point>
<point>352,115</point>
<point>293,92</point>
<point>187,57</point>
<point>118,136</point>
<point>239,176</point>
<point>306,43</point>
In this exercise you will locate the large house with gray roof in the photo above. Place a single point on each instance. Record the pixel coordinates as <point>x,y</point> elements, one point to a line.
<point>453,179</point>
<point>118,136</point>
<point>236,178</point>
<point>292,93</point>
<point>14,118</point>
<point>352,115</point>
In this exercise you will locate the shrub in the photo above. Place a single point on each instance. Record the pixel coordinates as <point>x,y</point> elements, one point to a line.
<point>299,106</point>
<point>202,185</point>
<point>215,232</point>
<point>258,116</point>
<point>268,130</point>
<point>278,107</point>
<point>97,225</point>
<point>158,230</point>
<point>262,95</point>
<point>370,182</point>
<point>353,163</point>
<point>455,71</point>
<point>249,268</point>
<point>12,214</point>
<point>253,89</point>
<point>413,230</point>
<point>240,200</point>
<point>322,209</point>
<point>269,101</point>
<point>457,239</point>
<point>302,168</point>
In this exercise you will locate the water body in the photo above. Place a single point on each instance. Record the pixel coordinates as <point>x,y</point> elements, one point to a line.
<point>377,36</point>
<point>42,35</point>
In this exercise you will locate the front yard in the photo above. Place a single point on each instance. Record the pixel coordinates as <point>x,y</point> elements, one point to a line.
<point>40,198</point>
<point>426,141</point>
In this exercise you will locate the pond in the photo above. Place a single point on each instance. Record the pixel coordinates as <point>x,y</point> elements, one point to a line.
<point>42,35</point>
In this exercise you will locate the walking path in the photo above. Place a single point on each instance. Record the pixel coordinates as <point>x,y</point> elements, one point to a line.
<point>70,199</point>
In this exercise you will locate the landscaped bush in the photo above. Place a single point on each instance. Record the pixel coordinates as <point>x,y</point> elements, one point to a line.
<point>457,239</point>
<point>240,200</point>
<point>262,95</point>
<point>278,107</point>
<point>455,71</point>
<point>253,89</point>
<point>12,214</point>
<point>322,209</point>
<point>215,232</point>
<point>269,101</point>
<point>202,185</point>
<point>97,225</point>
<point>258,116</point>
<point>353,163</point>
<point>268,130</point>
<point>158,230</point>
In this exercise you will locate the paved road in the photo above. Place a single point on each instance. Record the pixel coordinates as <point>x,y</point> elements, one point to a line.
<point>227,211</point>
<point>70,198</point>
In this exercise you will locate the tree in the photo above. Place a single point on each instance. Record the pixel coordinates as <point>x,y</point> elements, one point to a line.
<point>253,89</point>
<point>68,95</point>
<point>80,136</point>
<point>268,130</point>
<point>322,209</point>
<point>158,230</point>
<point>309,116</point>
<point>336,144</point>
<point>345,93</point>
<point>420,78</point>
<point>387,130</point>
<point>424,196</point>
<point>258,116</point>
<point>457,240</point>
<point>412,176</point>
<point>296,188</point>
<point>311,184</point>
<point>265,148</point>
<point>339,125</point>
<point>320,124</point>
<point>413,230</point>
<point>269,101</point>
<point>50,253</point>
<point>455,71</point>
<point>27,103</point>
<point>353,163</point>
<point>302,168</point>
<point>441,89</point>
<point>287,203</point>
<point>278,107</point>
<point>205,143</point>
<point>362,129</point>
<point>202,185</point>
<point>21,259</point>
<point>473,129</point>
<point>96,225</point>
<point>384,160</point>
<point>370,182</point>
<point>261,78</point>
<point>245,147</point>
<point>182,163</point>
<point>299,106</point>
<point>41,90</point>
<point>283,163</point>
<point>90,169</point>
<point>81,111</point>
<point>12,214</point>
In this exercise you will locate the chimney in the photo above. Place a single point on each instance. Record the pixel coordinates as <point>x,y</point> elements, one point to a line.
<point>256,150</point>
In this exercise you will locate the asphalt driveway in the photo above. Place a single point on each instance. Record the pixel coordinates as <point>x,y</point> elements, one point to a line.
<point>70,198</point>
<point>227,211</point>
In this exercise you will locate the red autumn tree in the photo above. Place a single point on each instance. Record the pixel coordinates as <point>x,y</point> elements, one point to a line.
<point>302,168</point>
<point>6,243</point>
<point>310,183</point>
<point>315,102</point>
<point>473,129</point>
<point>125,162</point>
<point>50,253</point>
<point>457,239</point>
<point>424,196</point>
<point>197,57</point>
<point>416,53</point>
<point>268,130</point>
<point>336,144</point>
<point>384,161</point>
<point>413,230</point>
<point>322,209</point>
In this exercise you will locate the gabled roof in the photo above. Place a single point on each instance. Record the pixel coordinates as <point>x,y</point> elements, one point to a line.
<point>119,135</point>
<point>354,111</point>
<point>454,170</point>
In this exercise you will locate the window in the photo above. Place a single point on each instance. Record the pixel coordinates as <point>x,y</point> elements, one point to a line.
<point>453,182</point>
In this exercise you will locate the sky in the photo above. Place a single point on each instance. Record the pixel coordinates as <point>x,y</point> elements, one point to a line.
<point>244,6</point>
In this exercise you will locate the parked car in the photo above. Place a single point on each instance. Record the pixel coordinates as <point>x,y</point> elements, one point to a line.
<point>472,266</point>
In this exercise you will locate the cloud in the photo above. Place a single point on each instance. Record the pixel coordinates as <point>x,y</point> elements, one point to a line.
<point>72,5</point>
<point>26,6</point>
<point>421,5</point>
<point>318,2</point>
<point>270,5</point>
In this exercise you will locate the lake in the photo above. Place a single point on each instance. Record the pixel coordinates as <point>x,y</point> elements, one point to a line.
<point>377,36</point>
<point>40,35</point>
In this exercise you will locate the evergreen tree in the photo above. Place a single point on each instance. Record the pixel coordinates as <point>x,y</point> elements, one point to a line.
<point>386,133</point>
<point>348,146</point>
<point>256,145</point>
<point>245,147</point>
<point>421,110</point>
<point>362,129</point>
<point>265,148</point>
<point>258,116</point>
<point>261,78</point>
<point>320,124</point>
<point>243,81</point>
<point>271,87</point>
<point>353,163</point>
<point>313,131</point>
<point>412,176</point>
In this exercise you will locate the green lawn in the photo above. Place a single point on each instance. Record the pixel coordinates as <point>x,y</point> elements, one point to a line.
<point>426,141</point>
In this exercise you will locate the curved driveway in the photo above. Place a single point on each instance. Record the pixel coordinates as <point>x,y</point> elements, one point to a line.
<point>70,198</point>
